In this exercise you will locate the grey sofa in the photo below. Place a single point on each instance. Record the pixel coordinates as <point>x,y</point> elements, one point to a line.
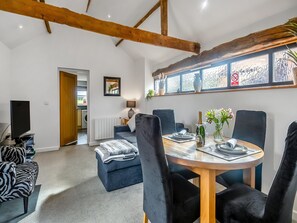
<point>123,132</point>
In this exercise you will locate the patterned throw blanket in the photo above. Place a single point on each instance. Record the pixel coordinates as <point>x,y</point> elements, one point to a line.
<point>120,146</point>
<point>119,150</point>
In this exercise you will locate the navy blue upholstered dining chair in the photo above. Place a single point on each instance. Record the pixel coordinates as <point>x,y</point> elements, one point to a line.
<point>249,126</point>
<point>169,126</point>
<point>167,197</point>
<point>242,204</point>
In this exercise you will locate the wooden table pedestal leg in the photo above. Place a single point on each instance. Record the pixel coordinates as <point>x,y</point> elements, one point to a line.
<point>208,196</point>
<point>249,177</point>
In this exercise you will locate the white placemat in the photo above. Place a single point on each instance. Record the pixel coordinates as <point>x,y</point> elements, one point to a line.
<point>169,137</point>
<point>212,150</point>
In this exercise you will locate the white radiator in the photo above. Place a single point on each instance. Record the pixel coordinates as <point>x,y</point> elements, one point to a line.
<point>104,127</point>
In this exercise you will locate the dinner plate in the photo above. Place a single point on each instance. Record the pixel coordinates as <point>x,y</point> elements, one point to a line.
<point>238,150</point>
<point>179,136</point>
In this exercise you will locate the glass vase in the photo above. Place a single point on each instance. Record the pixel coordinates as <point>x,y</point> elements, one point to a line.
<point>218,134</point>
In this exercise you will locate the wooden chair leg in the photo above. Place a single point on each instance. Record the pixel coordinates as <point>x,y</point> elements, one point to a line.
<point>145,219</point>
<point>26,202</point>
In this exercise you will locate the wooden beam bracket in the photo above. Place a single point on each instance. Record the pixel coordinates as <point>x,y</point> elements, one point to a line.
<point>148,14</point>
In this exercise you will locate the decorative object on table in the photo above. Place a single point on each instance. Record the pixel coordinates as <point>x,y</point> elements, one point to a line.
<point>112,86</point>
<point>162,80</point>
<point>150,94</point>
<point>131,104</point>
<point>199,141</point>
<point>200,128</point>
<point>292,29</point>
<point>219,117</point>
<point>197,83</point>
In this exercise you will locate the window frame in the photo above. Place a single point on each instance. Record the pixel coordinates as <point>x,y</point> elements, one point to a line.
<point>228,62</point>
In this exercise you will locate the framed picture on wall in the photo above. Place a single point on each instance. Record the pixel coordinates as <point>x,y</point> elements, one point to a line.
<point>112,86</point>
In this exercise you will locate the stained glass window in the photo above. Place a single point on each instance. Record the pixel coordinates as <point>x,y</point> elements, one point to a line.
<point>250,71</point>
<point>214,77</point>
<point>188,81</point>
<point>282,67</point>
<point>173,84</point>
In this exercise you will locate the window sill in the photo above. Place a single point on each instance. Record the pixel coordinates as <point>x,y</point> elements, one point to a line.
<point>232,90</point>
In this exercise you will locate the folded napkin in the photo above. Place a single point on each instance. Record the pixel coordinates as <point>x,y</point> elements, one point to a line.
<point>230,144</point>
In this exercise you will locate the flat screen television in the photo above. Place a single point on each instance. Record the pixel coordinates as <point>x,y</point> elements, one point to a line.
<point>20,118</point>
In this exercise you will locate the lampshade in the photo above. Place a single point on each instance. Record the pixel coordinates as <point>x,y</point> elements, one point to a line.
<point>131,104</point>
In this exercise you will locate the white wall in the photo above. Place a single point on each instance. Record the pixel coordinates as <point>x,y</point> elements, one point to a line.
<point>5,59</point>
<point>35,77</point>
<point>280,106</point>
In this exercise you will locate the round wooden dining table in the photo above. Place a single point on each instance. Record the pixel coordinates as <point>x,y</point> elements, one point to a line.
<point>208,167</point>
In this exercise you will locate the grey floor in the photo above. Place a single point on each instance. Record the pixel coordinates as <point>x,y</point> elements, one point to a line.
<point>71,191</point>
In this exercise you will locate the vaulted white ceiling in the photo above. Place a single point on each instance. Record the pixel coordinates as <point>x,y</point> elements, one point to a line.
<point>220,21</point>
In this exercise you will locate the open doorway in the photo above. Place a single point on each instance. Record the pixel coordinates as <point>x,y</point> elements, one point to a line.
<point>79,107</point>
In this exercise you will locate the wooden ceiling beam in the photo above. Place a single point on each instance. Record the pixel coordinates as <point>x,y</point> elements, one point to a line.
<point>66,17</point>
<point>164,17</point>
<point>148,14</point>
<point>255,42</point>
<point>88,5</point>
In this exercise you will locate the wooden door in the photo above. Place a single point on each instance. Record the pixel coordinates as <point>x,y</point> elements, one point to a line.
<point>68,114</point>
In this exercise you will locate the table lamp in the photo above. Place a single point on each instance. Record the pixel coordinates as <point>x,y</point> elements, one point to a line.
<point>131,104</point>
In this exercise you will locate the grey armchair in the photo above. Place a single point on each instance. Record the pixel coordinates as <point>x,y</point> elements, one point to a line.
<point>17,175</point>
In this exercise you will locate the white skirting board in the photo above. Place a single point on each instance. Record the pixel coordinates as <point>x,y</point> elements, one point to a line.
<point>97,143</point>
<point>94,143</point>
<point>47,149</point>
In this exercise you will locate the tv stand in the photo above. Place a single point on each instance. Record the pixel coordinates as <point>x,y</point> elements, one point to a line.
<point>26,141</point>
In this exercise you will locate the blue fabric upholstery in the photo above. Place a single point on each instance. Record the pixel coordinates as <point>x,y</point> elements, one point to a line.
<point>129,136</point>
<point>120,128</point>
<point>249,126</point>
<point>167,120</point>
<point>117,174</point>
<point>167,197</point>
<point>242,204</point>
